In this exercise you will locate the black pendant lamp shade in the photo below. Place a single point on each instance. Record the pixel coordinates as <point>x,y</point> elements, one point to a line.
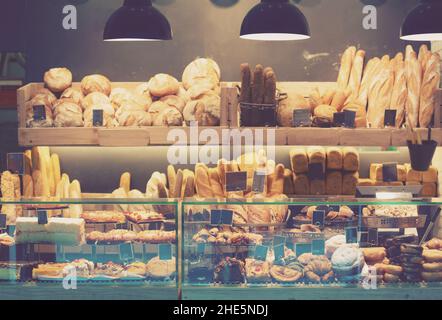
<point>275,20</point>
<point>424,23</point>
<point>137,20</point>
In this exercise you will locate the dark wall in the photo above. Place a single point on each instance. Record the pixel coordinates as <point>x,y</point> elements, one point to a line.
<point>202,28</point>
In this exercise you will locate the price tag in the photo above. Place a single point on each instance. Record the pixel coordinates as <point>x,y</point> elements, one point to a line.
<point>390,118</point>
<point>319,218</point>
<point>261,252</point>
<point>389,172</point>
<point>279,251</point>
<point>338,119</point>
<point>11,230</point>
<point>301,248</point>
<point>302,118</point>
<point>318,247</point>
<point>201,249</point>
<point>97,117</point>
<point>363,237</point>
<point>226,217</point>
<point>259,180</point>
<point>236,181</point>
<point>351,235</point>
<point>126,252</point>
<point>316,171</point>
<point>3,221</point>
<point>39,112</point>
<point>42,216</point>
<point>373,237</point>
<point>215,217</point>
<point>349,119</point>
<point>277,240</point>
<point>290,245</point>
<point>165,251</point>
<point>15,163</point>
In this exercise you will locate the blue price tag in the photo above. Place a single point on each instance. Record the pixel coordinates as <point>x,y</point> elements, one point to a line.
<point>261,252</point>
<point>236,181</point>
<point>126,252</point>
<point>15,162</point>
<point>215,217</point>
<point>279,251</point>
<point>97,117</point>
<point>227,217</point>
<point>201,249</point>
<point>259,179</point>
<point>318,247</point>
<point>165,251</point>
<point>319,218</point>
<point>349,118</point>
<point>3,221</point>
<point>351,235</point>
<point>302,248</point>
<point>39,112</point>
<point>277,240</point>
<point>42,216</point>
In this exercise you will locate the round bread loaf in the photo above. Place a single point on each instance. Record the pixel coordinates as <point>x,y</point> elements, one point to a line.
<point>169,117</point>
<point>129,115</point>
<point>96,83</point>
<point>58,79</point>
<point>174,101</point>
<point>120,96</point>
<point>156,108</point>
<point>95,99</point>
<point>108,115</point>
<point>163,85</point>
<point>201,71</point>
<point>74,94</point>
<point>68,113</point>
<point>43,92</point>
<point>39,100</point>
<point>286,108</point>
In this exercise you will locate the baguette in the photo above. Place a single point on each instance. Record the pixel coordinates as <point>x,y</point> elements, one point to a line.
<point>246,80</point>
<point>55,162</point>
<point>354,83</point>
<point>125,182</point>
<point>414,84</point>
<point>327,98</point>
<point>28,186</point>
<point>215,183</point>
<point>258,85</point>
<point>400,92</point>
<point>339,100</point>
<point>423,57</point>
<point>171,178</point>
<point>346,65</point>
<point>270,87</point>
<point>202,182</point>
<point>179,184</point>
<point>367,79</point>
<point>430,84</point>
<point>28,162</point>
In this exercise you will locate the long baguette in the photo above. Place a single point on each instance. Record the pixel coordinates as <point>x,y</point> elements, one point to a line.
<point>430,83</point>
<point>367,79</point>
<point>354,83</point>
<point>258,84</point>
<point>269,87</point>
<point>246,80</point>
<point>400,92</point>
<point>346,65</point>
<point>423,57</point>
<point>55,162</point>
<point>414,83</point>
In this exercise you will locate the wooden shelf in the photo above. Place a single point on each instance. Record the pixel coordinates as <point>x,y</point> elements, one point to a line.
<point>145,136</point>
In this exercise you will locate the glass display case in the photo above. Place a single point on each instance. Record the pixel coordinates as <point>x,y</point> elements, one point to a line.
<point>318,248</point>
<point>90,248</point>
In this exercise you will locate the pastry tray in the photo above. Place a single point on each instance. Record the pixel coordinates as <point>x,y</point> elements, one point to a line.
<point>336,222</point>
<point>116,243</point>
<point>394,222</point>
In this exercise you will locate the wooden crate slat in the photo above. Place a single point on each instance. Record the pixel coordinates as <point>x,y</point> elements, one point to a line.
<point>365,137</point>
<point>313,136</point>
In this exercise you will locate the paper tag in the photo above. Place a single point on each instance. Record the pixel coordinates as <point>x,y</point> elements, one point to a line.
<point>363,237</point>
<point>39,112</point>
<point>338,119</point>
<point>236,181</point>
<point>319,218</point>
<point>226,217</point>
<point>3,219</point>
<point>390,118</point>
<point>373,236</point>
<point>351,235</point>
<point>97,117</point>
<point>15,163</point>
<point>318,247</point>
<point>316,171</point>
<point>126,252</point>
<point>389,172</point>
<point>215,217</point>
<point>261,252</point>
<point>302,118</point>
<point>279,251</point>
<point>42,216</point>
<point>349,119</point>
<point>277,240</point>
<point>165,251</point>
<point>259,180</point>
<point>301,248</point>
<point>201,249</point>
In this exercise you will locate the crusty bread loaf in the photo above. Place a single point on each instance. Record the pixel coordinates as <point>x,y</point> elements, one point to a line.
<point>302,184</point>
<point>246,80</point>
<point>354,82</point>
<point>400,92</point>
<point>351,159</point>
<point>334,158</point>
<point>55,162</point>
<point>334,183</point>
<point>430,84</point>
<point>258,84</point>
<point>346,65</point>
<point>287,106</point>
<point>171,179</point>
<point>367,79</point>
<point>289,187</point>
<point>423,57</point>
<point>349,183</point>
<point>215,183</point>
<point>414,83</point>
<point>202,182</point>
<point>275,184</point>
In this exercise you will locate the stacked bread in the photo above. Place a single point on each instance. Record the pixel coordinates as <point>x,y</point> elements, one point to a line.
<point>432,266</point>
<point>259,86</point>
<point>405,84</point>
<point>340,167</point>
<point>10,191</point>
<point>406,176</point>
<point>201,78</point>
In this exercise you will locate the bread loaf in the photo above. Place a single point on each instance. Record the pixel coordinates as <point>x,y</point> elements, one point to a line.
<point>162,85</point>
<point>346,65</point>
<point>317,155</point>
<point>326,112</point>
<point>413,175</point>
<point>246,80</point>
<point>429,189</point>
<point>431,175</point>
<point>287,106</point>
<point>349,183</point>
<point>317,187</point>
<point>354,82</point>
<point>215,183</point>
<point>201,70</point>
<point>58,79</point>
<point>339,99</point>
<point>289,187</point>
<point>315,99</point>
<point>96,83</point>
<point>334,183</point>
<point>276,181</point>
<point>299,160</point>
<point>350,159</point>
<point>171,178</point>
<point>413,71</point>
<point>400,92</point>
<point>302,184</point>
<point>334,158</point>
<point>430,84</point>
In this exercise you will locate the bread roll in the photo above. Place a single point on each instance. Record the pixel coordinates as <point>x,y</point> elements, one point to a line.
<point>400,92</point>
<point>346,65</point>
<point>299,160</point>
<point>130,115</point>
<point>143,90</point>
<point>287,106</point>
<point>302,184</point>
<point>350,159</point>
<point>95,99</point>
<point>121,96</point>
<point>334,158</point>
<point>334,183</point>
<point>96,83</point>
<point>44,93</point>
<point>58,79</point>
<point>169,117</point>
<point>74,94</point>
<point>205,111</point>
<point>349,183</point>
<point>413,71</point>
<point>430,84</point>
<point>201,70</point>
<point>108,115</point>
<point>174,101</point>
<point>67,113</point>
<point>162,85</point>
<point>246,81</point>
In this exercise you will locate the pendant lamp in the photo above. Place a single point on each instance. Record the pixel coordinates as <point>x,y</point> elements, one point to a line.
<point>423,23</point>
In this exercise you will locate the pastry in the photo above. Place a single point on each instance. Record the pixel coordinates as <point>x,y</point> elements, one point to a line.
<point>319,269</point>
<point>103,217</point>
<point>136,269</point>
<point>257,270</point>
<point>230,270</point>
<point>109,269</point>
<point>144,216</point>
<point>374,255</point>
<point>96,83</point>
<point>287,273</point>
<point>347,261</point>
<point>58,79</point>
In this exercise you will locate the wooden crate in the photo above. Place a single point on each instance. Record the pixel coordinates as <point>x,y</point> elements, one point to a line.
<point>109,137</point>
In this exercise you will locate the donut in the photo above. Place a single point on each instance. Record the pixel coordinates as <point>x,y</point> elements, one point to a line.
<point>58,79</point>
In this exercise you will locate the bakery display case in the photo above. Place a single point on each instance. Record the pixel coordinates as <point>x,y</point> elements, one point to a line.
<point>89,248</point>
<point>311,248</point>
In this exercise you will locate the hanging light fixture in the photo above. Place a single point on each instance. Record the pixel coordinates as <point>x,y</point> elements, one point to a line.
<point>137,20</point>
<point>424,22</point>
<point>275,20</point>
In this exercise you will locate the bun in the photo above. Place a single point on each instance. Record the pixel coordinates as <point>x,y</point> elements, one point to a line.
<point>39,99</point>
<point>96,83</point>
<point>67,113</point>
<point>201,70</point>
<point>74,94</point>
<point>175,102</point>
<point>169,117</point>
<point>163,85</point>
<point>58,79</point>
<point>95,99</point>
<point>108,115</point>
<point>205,111</point>
<point>156,108</point>
<point>129,115</point>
